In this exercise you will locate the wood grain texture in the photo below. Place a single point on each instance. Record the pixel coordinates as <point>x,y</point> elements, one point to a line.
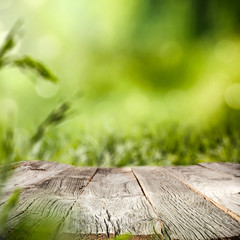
<point>49,191</point>
<point>89,203</point>
<point>221,187</point>
<point>28,174</point>
<point>230,168</point>
<point>112,204</point>
<point>184,213</point>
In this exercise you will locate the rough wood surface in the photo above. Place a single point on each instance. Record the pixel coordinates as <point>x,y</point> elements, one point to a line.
<point>230,168</point>
<point>112,204</point>
<point>98,203</point>
<point>221,187</point>
<point>184,213</point>
<point>48,192</point>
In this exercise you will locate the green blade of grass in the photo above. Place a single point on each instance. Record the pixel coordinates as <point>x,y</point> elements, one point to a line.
<point>10,204</point>
<point>31,64</point>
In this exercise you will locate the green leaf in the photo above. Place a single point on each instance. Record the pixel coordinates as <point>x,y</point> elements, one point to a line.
<point>8,44</point>
<point>10,41</point>
<point>9,205</point>
<point>31,64</point>
<point>55,117</point>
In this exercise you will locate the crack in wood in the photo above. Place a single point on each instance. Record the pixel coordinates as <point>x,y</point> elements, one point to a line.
<point>74,202</point>
<point>116,229</point>
<point>107,230</point>
<point>164,234</point>
<point>37,169</point>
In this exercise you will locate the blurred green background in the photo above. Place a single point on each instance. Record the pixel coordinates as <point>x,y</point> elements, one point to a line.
<point>148,82</point>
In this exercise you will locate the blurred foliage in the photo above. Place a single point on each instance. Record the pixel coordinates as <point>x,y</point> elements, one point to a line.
<point>46,230</point>
<point>54,118</point>
<point>27,62</point>
<point>8,44</point>
<point>160,82</point>
<point>6,210</point>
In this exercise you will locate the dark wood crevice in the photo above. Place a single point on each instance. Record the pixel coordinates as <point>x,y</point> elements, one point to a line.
<point>163,234</point>
<point>74,202</point>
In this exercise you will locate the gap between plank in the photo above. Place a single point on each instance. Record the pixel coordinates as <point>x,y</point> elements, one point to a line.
<point>163,233</point>
<point>74,202</point>
<point>218,205</point>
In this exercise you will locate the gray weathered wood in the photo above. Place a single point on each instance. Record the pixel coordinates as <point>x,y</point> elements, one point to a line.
<point>184,213</point>
<point>230,168</point>
<point>28,174</point>
<point>48,192</point>
<point>89,203</point>
<point>221,187</point>
<point>112,204</point>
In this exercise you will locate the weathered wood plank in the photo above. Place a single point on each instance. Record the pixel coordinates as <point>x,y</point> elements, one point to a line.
<point>220,187</point>
<point>230,168</point>
<point>184,213</point>
<point>112,204</point>
<point>30,173</point>
<point>49,192</point>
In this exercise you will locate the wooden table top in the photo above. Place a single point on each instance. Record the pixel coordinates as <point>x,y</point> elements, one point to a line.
<point>190,202</point>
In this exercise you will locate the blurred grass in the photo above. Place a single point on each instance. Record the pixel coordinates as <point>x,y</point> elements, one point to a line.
<point>159,82</point>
